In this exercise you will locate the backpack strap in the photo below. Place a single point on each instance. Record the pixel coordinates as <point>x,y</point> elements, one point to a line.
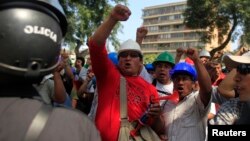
<point>38,123</point>
<point>124,132</point>
<point>123,99</point>
<point>166,93</point>
<point>154,83</point>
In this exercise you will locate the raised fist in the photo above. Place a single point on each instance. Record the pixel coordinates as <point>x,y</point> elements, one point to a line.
<point>192,54</point>
<point>141,32</point>
<point>120,13</point>
<point>180,52</point>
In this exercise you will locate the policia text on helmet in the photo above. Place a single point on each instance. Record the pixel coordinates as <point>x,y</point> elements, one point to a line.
<point>31,34</point>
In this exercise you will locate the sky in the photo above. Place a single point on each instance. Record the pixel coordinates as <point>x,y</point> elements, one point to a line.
<point>135,20</point>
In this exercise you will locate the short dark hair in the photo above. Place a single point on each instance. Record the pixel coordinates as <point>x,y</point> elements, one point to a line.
<point>82,59</point>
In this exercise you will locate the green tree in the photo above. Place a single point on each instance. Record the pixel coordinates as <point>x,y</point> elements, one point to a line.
<point>149,58</point>
<point>84,16</point>
<point>224,15</point>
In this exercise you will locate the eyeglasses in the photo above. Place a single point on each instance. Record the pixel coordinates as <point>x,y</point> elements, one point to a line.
<point>243,68</point>
<point>132,54</point>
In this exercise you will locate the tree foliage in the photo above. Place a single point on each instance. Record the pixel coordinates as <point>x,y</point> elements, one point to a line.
<point>84,16</point>
<point>224,15</point>
<point>149,58</point>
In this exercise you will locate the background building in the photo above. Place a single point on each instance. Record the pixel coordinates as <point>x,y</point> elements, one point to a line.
<point>166,30</point>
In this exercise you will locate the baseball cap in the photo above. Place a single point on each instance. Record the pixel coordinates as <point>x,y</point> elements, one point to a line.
<point>234,60</point>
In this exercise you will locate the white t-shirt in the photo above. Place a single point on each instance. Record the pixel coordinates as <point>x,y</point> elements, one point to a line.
<point>164,90</point>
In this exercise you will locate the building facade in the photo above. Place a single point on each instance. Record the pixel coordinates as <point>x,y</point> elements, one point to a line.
<point>166,30</point>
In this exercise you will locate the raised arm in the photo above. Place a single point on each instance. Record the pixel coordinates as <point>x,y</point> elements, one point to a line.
<point>141,33</point>
<point>179,53</point>
<point>119,13</point>
<point>226,87</point>
<point>67,68</point>
<point>59,89</point>
<point>83,88</point>
<point>203,76</point>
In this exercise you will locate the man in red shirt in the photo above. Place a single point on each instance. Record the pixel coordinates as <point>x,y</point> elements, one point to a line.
<point>108,79</point>
<point>217,66</point>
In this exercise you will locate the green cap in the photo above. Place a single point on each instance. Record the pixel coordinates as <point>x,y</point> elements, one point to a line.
<point>165,57</point>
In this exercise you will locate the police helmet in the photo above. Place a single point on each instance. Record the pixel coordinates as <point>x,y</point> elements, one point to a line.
<point>31,34</point>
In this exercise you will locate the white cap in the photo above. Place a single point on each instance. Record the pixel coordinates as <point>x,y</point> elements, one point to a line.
<point>129,45</point>
<point>234,60</point>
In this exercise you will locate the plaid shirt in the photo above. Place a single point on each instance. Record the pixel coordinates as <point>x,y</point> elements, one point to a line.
<point>228,113</point>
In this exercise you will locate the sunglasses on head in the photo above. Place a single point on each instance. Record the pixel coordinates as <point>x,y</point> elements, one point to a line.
<point>132,54</point>
<point>243,68</point>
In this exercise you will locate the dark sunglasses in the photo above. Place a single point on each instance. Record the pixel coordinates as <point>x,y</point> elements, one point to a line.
<point>243,68</point>
<point>132,54</point>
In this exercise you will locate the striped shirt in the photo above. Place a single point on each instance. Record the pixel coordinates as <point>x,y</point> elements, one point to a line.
<point>228,113</point>
<point>187,120</point>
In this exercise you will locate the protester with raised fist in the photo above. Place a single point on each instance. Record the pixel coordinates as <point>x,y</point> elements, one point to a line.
<point>108,79</point>
<point>187,120</point>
